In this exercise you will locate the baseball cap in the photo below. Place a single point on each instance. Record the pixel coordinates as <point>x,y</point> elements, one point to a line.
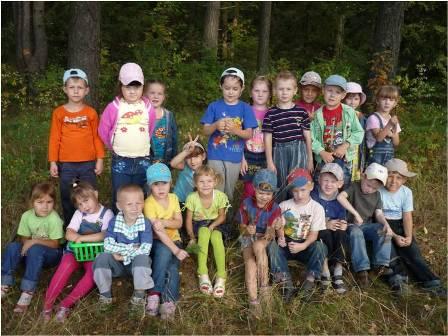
<point>397,165</point>
<point>376,171</point>
<point>158,172</point>
<point>267,177</point>
<point>337,80</point>
<point>335,169</point>
<point>131,72</point>
<point>311,78</point>
<point>353,87</point>
<point>70,73</point>
<point>298,177</point>
<point>233,72</point>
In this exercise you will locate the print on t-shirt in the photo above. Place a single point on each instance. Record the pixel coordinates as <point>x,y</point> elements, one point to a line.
<point>224,136</point>
<point>256,143</point>
<point>80,121</point>
<point>297,228</point>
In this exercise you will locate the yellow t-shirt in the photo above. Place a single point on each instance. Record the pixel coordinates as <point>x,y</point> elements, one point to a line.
<point>153,210</point>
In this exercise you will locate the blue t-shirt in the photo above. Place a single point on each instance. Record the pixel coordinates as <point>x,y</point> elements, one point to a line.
<point>333,209</point>
<point>394,204</point>
<point>223,146</point>
<point>159,138</point>
<point>184,184</point>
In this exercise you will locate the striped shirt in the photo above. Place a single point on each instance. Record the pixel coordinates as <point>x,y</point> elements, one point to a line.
<point>286,124</point>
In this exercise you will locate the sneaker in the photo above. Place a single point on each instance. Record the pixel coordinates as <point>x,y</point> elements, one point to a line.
<point>167,310</point>
<point>62,314</point>
<point>307,289</point>
<point>152,307</point>
<point>24,302</point>
<point>362,278</point>
<point>438,291</point>
<point>137,301</point>
<point>46,314</point>
<point>104,302</point>
<point>325,283</point>
<point>338,284</point>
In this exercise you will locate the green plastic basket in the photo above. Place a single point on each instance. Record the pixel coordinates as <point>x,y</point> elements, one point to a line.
<point>86,251</point>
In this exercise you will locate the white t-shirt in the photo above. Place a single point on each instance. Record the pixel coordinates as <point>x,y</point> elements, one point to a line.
<point>299,220</point>
<point>394,204</point>
<point>75,223</point>
<point>374,123</point>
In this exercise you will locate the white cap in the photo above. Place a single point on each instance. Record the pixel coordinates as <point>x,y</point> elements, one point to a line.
<point>353,87</point>
<point>376,171</point>
<point>233,72</point>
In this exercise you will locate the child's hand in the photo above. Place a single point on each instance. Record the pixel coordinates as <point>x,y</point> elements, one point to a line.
<point>327,157</point>
<point>78,239</point>
<point>271,167</point>
<point>296,247</point>
<point>310,165</point>
<point>393,120</point>
<point>342,225</point>
<point>99,166</point>
<point>232,127</point>
<point>221,125</point>
<point>118,257</point>
<point>244,167</point>
<point>281,241</point>
<point>270,234</point>
<point>388,231</point>
<point>358,219</point>
<point>251,229</point>
<point>191,242</point>
<point>408,241</point>
<point>26,246</point>
<point>54,169</point>
<point>189,146</point>
<point>158,225</point>
<point>181,254</point>
<point>333,224</point>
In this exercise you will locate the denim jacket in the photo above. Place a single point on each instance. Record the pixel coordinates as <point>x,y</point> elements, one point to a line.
<point>171,137</point>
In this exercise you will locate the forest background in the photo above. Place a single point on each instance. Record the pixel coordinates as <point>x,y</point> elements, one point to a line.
<point>188,45</point>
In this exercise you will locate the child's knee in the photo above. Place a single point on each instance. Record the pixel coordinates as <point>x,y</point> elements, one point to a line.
<point>216,237</point>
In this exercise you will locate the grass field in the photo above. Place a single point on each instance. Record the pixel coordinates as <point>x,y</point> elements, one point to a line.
<point>375,311</point>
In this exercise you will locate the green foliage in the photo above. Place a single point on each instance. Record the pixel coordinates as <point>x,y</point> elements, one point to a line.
<point>14,96</point>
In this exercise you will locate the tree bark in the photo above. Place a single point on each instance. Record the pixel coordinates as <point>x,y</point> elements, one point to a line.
<point>211,26</point>
<point>84,44</point>
<point>339,45</point>
<point>263,40</point>
<point>40,37</point>
<point>18,24</point>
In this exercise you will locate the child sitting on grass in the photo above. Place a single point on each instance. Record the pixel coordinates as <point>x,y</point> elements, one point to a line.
<point>363,202</point>
<point>41,233</point>
<point>398,207</point>
<point>310,89</point>
<point>257,217</point>
<point>205,219</point>
<point>88,224</point>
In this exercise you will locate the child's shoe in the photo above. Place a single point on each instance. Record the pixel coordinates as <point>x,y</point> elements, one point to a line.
<point>24,302</point>
<point>205,285</point>
<point>338,284</point>
<point>325,283</point>
<point>255,308</point>
<point>5,290</point>
<point>220,288</point>
<point>307,289</point>
<point>104,302</point>
<point>362,278</point>
<point>62,314</point>
<point>152,307</point>
<point>167,310</point>
<point>46,314</point>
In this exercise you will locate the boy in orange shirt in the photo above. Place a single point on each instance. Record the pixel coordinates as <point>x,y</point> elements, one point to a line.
<point>75,150</point>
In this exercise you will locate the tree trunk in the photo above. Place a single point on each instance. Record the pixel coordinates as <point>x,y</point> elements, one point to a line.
<point>18,24</point>
<point>339,45</point>
<point>84,44</point>
<point>263,40</point>
<point>211,26</point>
<point>40,37</point>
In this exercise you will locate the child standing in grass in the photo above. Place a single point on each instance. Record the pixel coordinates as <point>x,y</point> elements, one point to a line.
<point>88,224</point>
<point>398,206</point>
<point>126,127</point>
<point>75,150</point>
<point>228,122</point>
<point>164,137</point>
<point>310,88</point>
<point>162,208</point>
<point>382,126</point>
<point>206,214</point>
<point>258,217</point>
<point>254,157</point>
<point>41,232</point>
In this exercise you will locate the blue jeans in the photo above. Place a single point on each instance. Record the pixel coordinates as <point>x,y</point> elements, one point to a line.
<point>381,245</point>
<point>165,271</point>
<point>126,170</point>
<point>37,257</point>
<point>68,172</point>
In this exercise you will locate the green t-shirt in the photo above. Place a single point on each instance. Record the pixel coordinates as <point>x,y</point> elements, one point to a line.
<point>194,204</point>
<point>50,227</point>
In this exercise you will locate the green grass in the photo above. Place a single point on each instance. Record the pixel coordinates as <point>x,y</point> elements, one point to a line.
<point>376,311</point>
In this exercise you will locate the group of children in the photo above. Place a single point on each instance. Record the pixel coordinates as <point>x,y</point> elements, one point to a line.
<point>314,190</point>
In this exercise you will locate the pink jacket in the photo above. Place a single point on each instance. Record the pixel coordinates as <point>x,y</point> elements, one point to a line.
<point>108,121</point>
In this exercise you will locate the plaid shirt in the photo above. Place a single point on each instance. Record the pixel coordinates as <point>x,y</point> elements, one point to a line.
<point>128,241</point>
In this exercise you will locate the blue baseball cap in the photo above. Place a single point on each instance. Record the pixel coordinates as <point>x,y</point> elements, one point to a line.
<point>337,80</point>
<point>70,73</point>
<point>268,178</point>
<point>158,172</point>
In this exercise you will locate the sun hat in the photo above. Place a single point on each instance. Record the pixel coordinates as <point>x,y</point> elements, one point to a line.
<point>353,87</point>
<point>311,78</point>
<point>397,165</point>
<point>233,72</point>
<point>298,177</point>
<point>131,72</point>
<point>267,177</point>
<point>337,80</point>
<point>70,73</point>
<point>376,171</point>
<point>335,169</point>
<point>158,172</point>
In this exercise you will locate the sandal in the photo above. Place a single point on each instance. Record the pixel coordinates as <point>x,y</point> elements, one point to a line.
<point>219,288</point>
<point>46,314</point>
<point>5,290</point>
<point>205,285</point>
<point>24,302</point>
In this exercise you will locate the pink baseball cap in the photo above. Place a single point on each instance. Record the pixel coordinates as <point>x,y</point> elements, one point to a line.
<point>131,72</point>
<point>353,87</point>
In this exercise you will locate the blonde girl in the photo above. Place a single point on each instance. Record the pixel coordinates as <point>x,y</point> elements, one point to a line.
<point>205,219</point>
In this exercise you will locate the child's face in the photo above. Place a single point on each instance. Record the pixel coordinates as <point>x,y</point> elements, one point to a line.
<point>131,203</point>
<point>394,181</point>
<point>369,186</point>
<point>76,89</point>
<point>156,94</point>
<point>263,197</point>
<point>88,205</point>
<point>309,93</point>
<point>386,104</point>
<point>353,100</point>
<point>205,184</point>
<point>43,206</point>
<point>231,89</point>
<point>302,195</point>
<point>284,90</point>
<point>329,184</point>
<point>132,93</point>
<point>160,190</point>
<point>333,96</point>
<point>260,94</point>
<point>195,162</point>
